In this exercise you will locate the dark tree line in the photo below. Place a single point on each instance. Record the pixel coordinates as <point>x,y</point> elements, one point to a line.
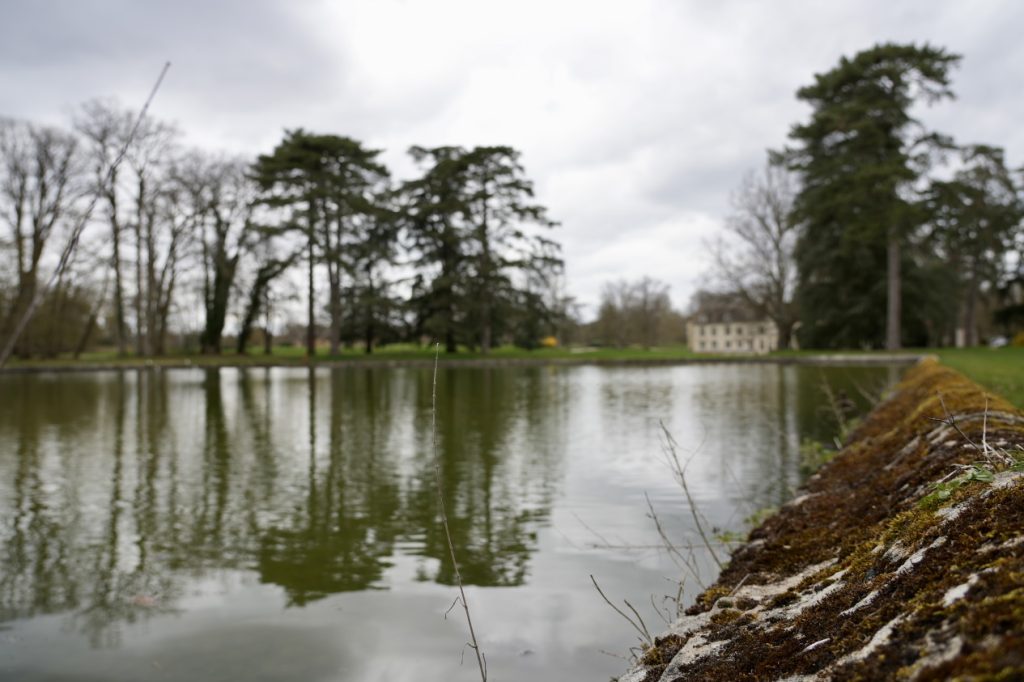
<point>873,230</point>
<point>185,246</point>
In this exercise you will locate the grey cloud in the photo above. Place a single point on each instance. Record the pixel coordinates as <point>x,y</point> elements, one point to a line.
<point>237,60</point>
<point>636,121</point>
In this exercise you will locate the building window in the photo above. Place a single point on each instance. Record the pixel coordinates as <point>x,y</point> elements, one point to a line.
<point>702,345</point>
<point>728,344</point>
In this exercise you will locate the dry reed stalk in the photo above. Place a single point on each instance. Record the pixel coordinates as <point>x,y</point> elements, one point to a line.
<point>481,660</point>
<point>679,469</point>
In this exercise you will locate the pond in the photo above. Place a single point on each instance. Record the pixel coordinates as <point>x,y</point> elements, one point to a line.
<point>282,523</point>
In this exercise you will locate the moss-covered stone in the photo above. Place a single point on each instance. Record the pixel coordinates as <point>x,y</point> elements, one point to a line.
<point>861,580</point>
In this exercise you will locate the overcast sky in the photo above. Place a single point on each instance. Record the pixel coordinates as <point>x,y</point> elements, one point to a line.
<point>636,119</point>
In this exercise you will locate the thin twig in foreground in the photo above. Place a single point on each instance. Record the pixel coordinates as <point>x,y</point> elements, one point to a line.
<point>645,636</point>
<point>680,470</point>
<point>949,420</point>
<point>991,454</point>
<point>684,561</point>
<point>481,660</point>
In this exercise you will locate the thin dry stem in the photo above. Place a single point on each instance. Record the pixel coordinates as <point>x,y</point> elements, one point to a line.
<point>680,471</point>
<point>684,561</point>
<point>481,660</point>
<point>640,627</point>
<point>665,619</point>
<point>739,584</point>
<point>991,454</point>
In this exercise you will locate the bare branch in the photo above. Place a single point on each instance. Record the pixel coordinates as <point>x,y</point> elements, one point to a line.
<point>639,627</point>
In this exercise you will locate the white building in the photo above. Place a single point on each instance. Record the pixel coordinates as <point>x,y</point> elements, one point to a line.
<point>759,336</point>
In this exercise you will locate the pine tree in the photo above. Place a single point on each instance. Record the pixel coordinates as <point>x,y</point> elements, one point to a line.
<point>322,181</point>
<point>859,158</point>
<point>469,218</point>
<point>973,218</point>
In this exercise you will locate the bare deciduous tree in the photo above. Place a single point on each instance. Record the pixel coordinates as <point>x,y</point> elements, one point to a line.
<point>755,256</point>
<point>638,312</point>
<point>148,157</point>
<point>105,127</point>
<point>39,175</point>
<point>220,198</point>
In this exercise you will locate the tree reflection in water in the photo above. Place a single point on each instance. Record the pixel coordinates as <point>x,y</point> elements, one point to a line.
<point>124,496</point>
<point>120,490</point>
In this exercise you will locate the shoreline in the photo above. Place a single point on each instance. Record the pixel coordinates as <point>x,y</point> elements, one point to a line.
<point>900,557</point>
<point>823,359</point>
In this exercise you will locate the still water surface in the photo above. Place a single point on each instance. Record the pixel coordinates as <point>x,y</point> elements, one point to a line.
<point>281,524</point>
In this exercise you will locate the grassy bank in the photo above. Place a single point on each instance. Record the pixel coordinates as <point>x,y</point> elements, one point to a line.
<point>900,559</point>
<point>999,370</point>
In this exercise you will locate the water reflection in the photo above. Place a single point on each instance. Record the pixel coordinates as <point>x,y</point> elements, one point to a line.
<point>342,527</point>
<point>123,487</point>
<point>125,497</point>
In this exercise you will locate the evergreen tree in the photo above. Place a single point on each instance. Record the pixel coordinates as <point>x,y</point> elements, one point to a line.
<point>973,218</point>
<point>859,158</point>
<point>322,181</point>
<point>432,206</point>
<point>467,217</point>
<point>498,206</point>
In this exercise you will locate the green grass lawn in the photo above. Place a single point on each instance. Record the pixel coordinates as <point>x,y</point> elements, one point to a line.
<point>1000,370</point>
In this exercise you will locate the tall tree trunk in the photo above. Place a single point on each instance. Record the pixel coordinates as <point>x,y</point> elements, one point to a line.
<point>218,299</point>
<point>252,311</point>
<point>140,332</point>
<point>90,324</point>
<point>22,301</point>
<point>152,289</point>
<point>369,335</point>
<point>83,340</point>
<point>310,326</point>
<point>164,311</point>
<point>120,330</point>
<point>970,315</point>
<point>485,298</point>
<point>784,337</point>
<point>893,294</point>
<point>259,300</point>
<point>448,267</point>
<point>54,341</point>
<point>332,239</point>
<point>369,313</point>
<point>485,331</point>
<point>334,277</point>
<point>268,340</point>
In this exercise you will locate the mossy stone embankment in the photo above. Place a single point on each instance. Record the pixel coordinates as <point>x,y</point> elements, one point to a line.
<point>898,561</point>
